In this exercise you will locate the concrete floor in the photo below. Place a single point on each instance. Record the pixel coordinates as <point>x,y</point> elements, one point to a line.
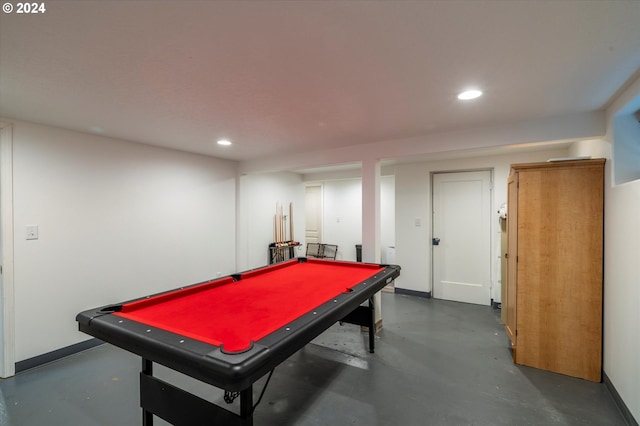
<point>436,363</point>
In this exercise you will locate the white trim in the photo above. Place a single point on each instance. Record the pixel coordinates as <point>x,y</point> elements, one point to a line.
<point>7,290</point>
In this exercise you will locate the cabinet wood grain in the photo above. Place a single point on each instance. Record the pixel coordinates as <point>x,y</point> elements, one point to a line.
<point>554,266</point>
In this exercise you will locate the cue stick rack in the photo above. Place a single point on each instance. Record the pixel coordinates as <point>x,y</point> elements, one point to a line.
<point>283,247</point>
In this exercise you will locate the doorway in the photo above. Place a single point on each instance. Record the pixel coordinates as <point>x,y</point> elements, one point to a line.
<point>313,214</point>
<point>461,236</point>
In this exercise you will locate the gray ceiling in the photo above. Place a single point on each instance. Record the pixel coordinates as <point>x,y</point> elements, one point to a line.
<point>296,76</point>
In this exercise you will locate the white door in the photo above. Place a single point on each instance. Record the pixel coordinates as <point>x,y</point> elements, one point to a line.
<point>462,237</point>
<point>313,214</point>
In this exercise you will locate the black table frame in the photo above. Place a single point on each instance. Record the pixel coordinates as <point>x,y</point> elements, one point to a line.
<point>210,364</point>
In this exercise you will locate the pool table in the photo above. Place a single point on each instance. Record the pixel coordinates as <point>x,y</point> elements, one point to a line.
<point>231,331</point>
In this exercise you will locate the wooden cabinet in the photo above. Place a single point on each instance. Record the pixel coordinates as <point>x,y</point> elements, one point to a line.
<point>554,266</point>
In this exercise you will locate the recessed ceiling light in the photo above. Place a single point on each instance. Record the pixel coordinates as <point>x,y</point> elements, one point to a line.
<point>224,142</point>
<point>469,94</point>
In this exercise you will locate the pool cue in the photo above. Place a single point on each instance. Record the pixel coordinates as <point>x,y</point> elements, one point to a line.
<point>291,223</point>
<point>284,229</point>
<point>278,222</point>
<point>281,225</point>
<point>276,231</point>
<point>279,216</point>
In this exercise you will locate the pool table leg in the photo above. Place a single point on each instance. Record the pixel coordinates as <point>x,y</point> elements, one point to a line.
<point>364,316</point>
<point>246,406</point>
<point>372,326</point>
<point>147,416</point>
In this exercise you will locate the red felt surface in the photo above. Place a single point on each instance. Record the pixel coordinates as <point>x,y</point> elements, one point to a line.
<point>233,314</point>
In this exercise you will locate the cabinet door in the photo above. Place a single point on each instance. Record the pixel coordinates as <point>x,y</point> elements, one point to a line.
<point>512,257</point>
<point>559,270</point>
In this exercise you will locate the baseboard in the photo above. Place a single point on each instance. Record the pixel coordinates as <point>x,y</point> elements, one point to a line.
<point>425,294</point>
<point>56,355</point>
<point>622,407</point>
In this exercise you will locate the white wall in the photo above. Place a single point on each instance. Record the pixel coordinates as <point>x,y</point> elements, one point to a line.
<point>117,220</point>
<point>387,218</point>
<point>342,214</point>
<point>621,264</point>
<point>622,290</point>
<point>258,195</point>
<point>413,200</point>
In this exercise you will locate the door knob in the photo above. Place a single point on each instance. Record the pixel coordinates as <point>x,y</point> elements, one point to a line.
<point>435,241</point>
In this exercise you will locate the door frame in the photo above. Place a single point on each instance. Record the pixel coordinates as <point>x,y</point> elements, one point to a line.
<point>492,229</point>
<point>7,288</point>
<point>320,207</point>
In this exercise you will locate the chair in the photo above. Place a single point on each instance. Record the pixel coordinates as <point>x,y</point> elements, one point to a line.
<point>314,250</point>
<point>322,251</point>
<point>329,251</point>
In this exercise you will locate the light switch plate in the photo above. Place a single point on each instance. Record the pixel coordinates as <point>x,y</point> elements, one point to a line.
<point>32,232</point>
